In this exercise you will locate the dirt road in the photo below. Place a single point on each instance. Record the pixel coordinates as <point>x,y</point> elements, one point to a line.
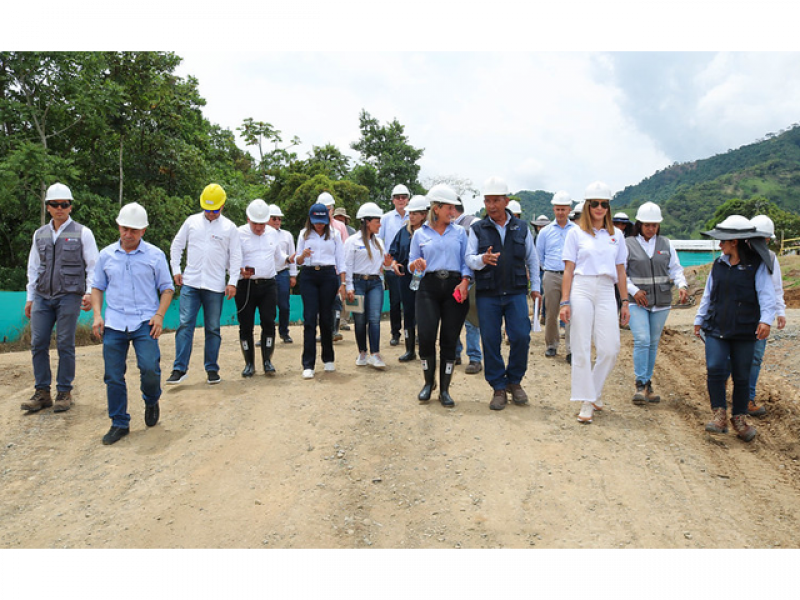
<point>352,460</point>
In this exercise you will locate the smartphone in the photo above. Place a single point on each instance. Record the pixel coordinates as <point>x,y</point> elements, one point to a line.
<point>457,295</point>
<point>250,270</point>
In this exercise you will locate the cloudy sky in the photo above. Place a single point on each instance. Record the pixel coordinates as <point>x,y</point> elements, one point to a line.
<point>541,120</point>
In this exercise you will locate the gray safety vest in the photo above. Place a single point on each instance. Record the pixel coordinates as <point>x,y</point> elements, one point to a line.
<point>62,269</point>
<point>650,274</point>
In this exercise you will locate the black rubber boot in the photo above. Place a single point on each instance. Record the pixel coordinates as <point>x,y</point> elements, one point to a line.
<point>445,375</point>
<point>267,348</point>
<point>411,350</point>
<point>249,357</point>
<point>429,370</point>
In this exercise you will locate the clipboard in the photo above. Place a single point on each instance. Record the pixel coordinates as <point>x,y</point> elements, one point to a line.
<point>356,306</point>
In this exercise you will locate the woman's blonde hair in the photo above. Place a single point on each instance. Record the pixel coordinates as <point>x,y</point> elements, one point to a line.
<point>585,222</point>
<point>368,238</point>
<point>408,223</point>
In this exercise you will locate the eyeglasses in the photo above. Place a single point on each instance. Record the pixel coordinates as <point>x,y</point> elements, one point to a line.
<point>604,203</point>
<point>59,204</point>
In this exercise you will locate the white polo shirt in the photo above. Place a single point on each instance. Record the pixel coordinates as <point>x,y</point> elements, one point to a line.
<point>595,255</point>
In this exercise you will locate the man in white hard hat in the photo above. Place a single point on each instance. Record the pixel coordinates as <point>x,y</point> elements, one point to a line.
<point>549,244</point>
<point>60,273</point>
<point>262,254</point>
<point>391,223</point>
<point>501,252</point>
<point>286,277</point>
<point>134,277</point>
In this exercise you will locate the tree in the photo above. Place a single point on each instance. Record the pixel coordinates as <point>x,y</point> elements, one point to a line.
<point>260,134</point>
<point>387,151</point>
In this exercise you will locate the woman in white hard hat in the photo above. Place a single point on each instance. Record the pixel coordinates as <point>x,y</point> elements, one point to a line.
<point>594,261</point>
<point>737,309</point>
<point>653,266</point>
<point>400,247</point>
<point>623,222</point>
<point>438,250</point>
<point>364,261</point>
<point>766,227</point>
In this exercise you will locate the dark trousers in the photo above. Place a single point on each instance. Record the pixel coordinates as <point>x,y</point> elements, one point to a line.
<point>395,303</point>
<point>318,290</point>
<point>724,357</point>
<point>282,281</point>
<point>409,298</point>
<point>252,295</point>
<point>438,312</point>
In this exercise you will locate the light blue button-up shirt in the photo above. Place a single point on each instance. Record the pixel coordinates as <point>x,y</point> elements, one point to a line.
<point>550,244</point>
<point>132,282</point>
<point>391,223</point>
<point>443,252</point>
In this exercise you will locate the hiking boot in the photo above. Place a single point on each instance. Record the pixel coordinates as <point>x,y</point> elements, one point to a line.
<point>754,410</point>
<point>499,400</point>
<point>640,397</point>
<point>719,424</point>
<point>518,395</point>
<point>40,399</point>
<point>63,402</point>
<point>114,435</point>
<point>743,430</point>
<point>649,395</point>
<point>473,367</point>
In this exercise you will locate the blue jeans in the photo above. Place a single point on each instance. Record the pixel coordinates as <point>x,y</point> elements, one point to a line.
<point>492,311</point>
<point>191,301</point>
<point>755,369</point>
<point>61,312</point>
<point>372,291</point>
<point>473,343</point>
<point>734,357</point>
<point>646,327</point>
<point>148,359</point>
<point>282,279</point>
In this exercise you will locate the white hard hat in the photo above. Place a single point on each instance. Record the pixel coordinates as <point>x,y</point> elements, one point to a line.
<point>258,211</point>
<point>649,212</point>
<point>561,198</point>
<point>133,216</point>
<point>418,203</point>
<point>577,210</point>
<point>443,194</point>
<point>399,190</point>
<point>764,225</point>
<point>495,186</point>
<point>540,221</point>
<point>370,209</point>
<point>514,207</point>
<point>326,199</point>
<point>58,191</point>
<point>597,191</point>
<point>275,210</point>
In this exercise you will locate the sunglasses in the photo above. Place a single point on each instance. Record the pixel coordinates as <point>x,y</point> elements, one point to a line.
<point>595,203</point>
<point>59,204</point>
<point>214,212</point>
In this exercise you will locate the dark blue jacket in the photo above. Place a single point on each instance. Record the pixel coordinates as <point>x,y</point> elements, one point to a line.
<point>510,275</point>
<point>734,310</point>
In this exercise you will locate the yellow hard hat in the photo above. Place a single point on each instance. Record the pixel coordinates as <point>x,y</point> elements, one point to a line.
<point>213,197</point>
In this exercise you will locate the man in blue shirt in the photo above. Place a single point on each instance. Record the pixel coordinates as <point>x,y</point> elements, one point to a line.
<point>138,289</point>
<point>549,245</point>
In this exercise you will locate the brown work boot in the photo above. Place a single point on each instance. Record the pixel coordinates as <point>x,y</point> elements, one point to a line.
<point>499,400</point>
<point>719,424</point>
<point>40,399</point>
<point>518,395</point>
<point>743,430</point>
<point>649,395</point>
<point>63,402</point>
<point>754,410</point>
<point>639,397</point>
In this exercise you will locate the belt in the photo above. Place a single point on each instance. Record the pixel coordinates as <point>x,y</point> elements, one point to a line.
<point>260,280</point>
<point>443,274</point>
<point>321,267</point>
<point>551,271</point>
<point>367,277</point>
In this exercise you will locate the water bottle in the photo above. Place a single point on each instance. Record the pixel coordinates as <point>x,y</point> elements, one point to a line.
<point>415,279</point>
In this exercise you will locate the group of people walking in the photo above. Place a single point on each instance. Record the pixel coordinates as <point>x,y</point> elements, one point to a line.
<point>433,268</point>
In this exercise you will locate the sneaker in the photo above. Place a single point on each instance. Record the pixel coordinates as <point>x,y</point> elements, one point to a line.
<point>213,377</point>
<point>499,400</point>
<point>151,414</point>
<point>176,377</point>
<point>330,367</point>
<point>337,337</point>
<point>587,411</point>
<point>114,435</point>
<point>639,397</point>
<point>754,410</point>
<point>286,339</point>
<point>40,399</point>
<point>649,395</point>
<point>518,395</point>
<point>719,424</point>
<point>308,373</point>
<point>376,361</point>
<point>473,367</point>
<point>362,361</point>
<point>743,430</point>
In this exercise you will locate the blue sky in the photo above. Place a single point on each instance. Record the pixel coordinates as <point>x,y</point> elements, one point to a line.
<point>541,120</point>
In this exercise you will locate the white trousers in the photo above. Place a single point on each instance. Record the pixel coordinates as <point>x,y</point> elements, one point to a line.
<point>594,319</point>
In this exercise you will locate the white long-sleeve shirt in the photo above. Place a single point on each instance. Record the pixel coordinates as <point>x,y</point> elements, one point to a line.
<point>357,261</point>
<point>675,268</point>
<point>323,252</point>
<point>262,252</point>
<point>777,283</point>
<point>286,241</point>
<point>212,247</point>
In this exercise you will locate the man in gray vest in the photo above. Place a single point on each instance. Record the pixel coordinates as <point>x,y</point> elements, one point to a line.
<point>60,274</point>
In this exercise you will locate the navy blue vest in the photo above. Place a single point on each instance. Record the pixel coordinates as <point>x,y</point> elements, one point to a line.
<point>734,311</point>
<point>510,275</point>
